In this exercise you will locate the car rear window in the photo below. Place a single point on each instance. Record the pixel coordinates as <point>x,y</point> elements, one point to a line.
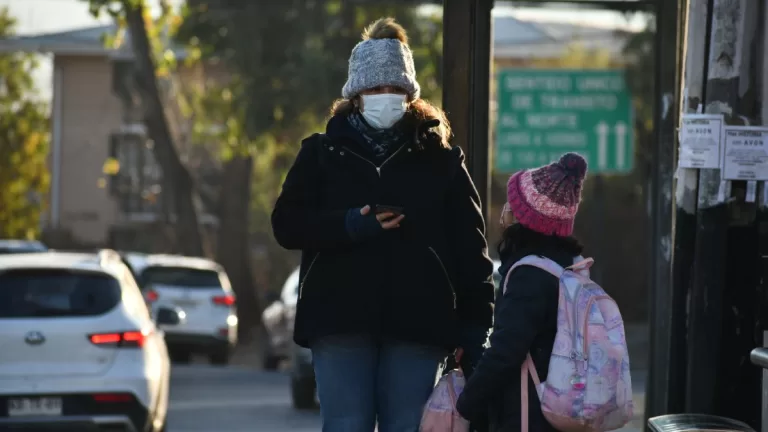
<point>180,276</point>
<point>18,250</point>
<point>31,293</point>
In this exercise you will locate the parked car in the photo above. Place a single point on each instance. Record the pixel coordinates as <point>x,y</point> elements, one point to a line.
<point>21,246</point>
<point>278,320</point>
<point>78,348</point>
<point>201,288</point>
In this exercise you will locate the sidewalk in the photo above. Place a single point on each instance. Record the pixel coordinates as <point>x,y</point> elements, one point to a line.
<point>637,337</point>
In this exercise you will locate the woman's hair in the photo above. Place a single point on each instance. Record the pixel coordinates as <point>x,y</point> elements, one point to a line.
<point>386,28</point>
<point>419,110</point>
<point>519,238</point>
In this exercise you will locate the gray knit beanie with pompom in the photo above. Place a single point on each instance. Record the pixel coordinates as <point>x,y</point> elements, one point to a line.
<point>383,58</point>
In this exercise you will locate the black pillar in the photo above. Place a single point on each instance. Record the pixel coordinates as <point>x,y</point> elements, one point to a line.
<point>467,56</point>
<point>665,389</point>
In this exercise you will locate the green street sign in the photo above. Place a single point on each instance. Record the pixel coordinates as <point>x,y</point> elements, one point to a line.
<point>543,113</point>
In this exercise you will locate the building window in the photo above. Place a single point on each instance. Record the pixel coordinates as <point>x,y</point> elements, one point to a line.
<point>137,183</point>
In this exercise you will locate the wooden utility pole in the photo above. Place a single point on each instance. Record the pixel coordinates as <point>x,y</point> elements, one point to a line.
<point>723,221</point>
<point>761,316</point>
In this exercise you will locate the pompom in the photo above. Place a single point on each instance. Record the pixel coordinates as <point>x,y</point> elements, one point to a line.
<point>574,165</point>
<point>386,28</point>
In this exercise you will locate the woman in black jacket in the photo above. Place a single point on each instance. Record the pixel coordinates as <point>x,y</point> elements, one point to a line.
<point>395,270</point>
<point>538,219</point>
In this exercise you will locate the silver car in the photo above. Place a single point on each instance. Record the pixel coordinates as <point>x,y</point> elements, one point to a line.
<point>278,321</point>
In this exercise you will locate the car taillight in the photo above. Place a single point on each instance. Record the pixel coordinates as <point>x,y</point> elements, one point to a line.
<point>112,398</point>
<point>225,300</point>
<point>151,296</point>
<point>130,339</point>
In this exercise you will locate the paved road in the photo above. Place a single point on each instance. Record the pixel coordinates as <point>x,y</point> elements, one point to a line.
<point>235,399</point>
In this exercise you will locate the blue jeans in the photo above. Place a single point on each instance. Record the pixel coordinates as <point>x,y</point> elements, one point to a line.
<point>361,381</point>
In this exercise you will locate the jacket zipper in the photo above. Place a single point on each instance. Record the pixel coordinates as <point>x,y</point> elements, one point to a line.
<point>445,272</point>
<point>575,355</point>
<point>377,167</point>
<point>309,269</point>
<point>591,301</point>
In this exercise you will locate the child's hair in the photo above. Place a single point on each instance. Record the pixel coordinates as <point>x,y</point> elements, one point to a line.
<point>517,237</point>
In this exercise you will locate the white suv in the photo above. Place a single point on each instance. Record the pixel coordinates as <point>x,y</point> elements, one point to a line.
<point>21,246</point>
<point>78,347</point>
<point>199,287</point>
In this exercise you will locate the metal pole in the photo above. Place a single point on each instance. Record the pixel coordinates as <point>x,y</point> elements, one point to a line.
<point>598,221</point>
<point>482,58</point>
<point>56,153</point>
<point>467,56</point>
<point>728,75</point>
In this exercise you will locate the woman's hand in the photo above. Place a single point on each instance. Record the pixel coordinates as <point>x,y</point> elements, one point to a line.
<point>387,220</point>
<point>362,224</point>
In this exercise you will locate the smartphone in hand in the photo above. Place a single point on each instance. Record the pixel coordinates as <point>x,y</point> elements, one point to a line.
<point>395,210</point>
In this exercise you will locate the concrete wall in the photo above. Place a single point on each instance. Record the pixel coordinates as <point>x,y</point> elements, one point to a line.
<point>89,113</point>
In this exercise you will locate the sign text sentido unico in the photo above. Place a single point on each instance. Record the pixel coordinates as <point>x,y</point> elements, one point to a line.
<point>543,113</point>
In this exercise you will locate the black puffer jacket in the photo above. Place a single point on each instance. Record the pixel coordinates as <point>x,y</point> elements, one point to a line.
<point>421,282</point>
<point>525,321</point>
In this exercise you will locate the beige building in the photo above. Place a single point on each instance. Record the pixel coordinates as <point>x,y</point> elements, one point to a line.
<point>94,119</point>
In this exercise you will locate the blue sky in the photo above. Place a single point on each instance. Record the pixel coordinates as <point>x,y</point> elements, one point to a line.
<point>46,16</point>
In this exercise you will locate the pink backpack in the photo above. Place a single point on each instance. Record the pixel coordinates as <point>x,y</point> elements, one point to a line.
<point>588,387</point>
<point>440,413</point>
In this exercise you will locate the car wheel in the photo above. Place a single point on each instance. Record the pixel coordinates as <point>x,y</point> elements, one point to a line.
<point>220,357</point>
<point>180,356</point>
<point>303,393</point>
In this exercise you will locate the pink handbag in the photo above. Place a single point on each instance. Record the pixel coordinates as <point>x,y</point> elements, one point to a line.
<point>440,413</point>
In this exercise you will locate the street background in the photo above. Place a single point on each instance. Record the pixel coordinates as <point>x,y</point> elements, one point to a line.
<point>240,397</point>
<point>240,83</point>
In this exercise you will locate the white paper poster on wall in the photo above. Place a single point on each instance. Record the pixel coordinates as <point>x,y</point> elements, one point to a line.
<point>745,154</point>
<point>700,140</point>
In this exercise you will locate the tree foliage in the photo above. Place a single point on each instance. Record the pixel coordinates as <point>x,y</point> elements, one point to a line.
<point>259,76</point>
<point>287,62</point>
<point>151,59</point>
<point>24,142</point>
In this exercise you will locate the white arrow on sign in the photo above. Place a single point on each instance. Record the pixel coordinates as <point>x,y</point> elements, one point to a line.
<point>602,145</point>
<point>621,143</point>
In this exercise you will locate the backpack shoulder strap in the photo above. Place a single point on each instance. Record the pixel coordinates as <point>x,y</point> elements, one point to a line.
<point>545,264</point>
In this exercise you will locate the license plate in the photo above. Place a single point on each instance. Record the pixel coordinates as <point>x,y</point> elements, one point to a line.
<point>186,303</point>
<point>46,406</point>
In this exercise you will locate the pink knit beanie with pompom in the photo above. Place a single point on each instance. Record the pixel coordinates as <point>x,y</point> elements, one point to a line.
<point>546,199</point>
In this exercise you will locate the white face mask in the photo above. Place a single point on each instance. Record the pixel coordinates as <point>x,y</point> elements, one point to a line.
<point>381,111</point>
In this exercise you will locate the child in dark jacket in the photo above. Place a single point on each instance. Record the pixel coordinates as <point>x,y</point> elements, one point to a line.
<point>538,220</point>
